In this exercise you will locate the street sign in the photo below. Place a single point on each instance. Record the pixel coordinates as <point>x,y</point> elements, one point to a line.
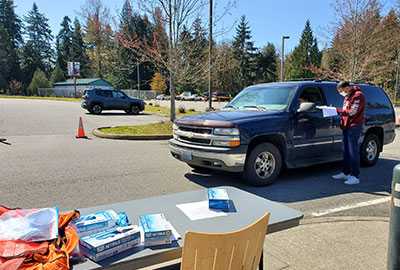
<point>74,69</point>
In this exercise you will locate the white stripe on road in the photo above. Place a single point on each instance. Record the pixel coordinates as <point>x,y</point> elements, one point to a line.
<point>396,202</point>
<point>351,206</point>
<point>397,187</point>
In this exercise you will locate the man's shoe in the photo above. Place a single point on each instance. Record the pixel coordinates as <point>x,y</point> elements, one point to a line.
<point>352,180</point>
<point>341,176</point>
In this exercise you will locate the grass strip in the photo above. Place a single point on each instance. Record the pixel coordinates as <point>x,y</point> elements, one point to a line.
<point>161,128</point>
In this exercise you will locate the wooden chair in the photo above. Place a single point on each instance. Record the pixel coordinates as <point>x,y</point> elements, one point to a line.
<point>242,249</point>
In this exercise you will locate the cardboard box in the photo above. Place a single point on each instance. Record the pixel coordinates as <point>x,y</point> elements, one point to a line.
<point>107,243</point>
<point>97,222</point>
<point>156,230</point>
<point>218,198</point>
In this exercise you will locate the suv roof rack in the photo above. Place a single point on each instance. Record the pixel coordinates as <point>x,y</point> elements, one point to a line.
<point>363,82</point>
<point>329,80</point>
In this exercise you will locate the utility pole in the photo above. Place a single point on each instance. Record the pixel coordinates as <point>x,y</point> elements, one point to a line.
<point>138,73</point>
<point>210,59</point>
<point>397,79</point>
<point>283,55</point>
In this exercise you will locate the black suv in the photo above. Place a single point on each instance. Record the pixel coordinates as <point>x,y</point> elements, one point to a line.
<point>267,127</point>
<point>97,100</point>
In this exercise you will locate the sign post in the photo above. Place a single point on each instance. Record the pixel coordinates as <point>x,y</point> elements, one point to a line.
<point>74,70</point>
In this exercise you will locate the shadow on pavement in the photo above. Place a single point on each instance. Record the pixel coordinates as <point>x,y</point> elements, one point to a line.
<point>304,184</point>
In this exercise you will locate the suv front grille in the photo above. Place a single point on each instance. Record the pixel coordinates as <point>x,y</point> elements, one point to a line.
<point>200,135</point>
<point>196,130</point>
<point>195,140</point>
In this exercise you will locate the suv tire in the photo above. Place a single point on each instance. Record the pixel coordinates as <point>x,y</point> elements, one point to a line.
<point>263,165</point>
<point>135,109</point>
<point>369,150</point>
<point>97,109</point>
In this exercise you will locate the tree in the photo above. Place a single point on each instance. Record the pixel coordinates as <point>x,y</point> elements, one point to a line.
<point>353,43</point>
<point>10,41</point>
<point>99,36</point>
<point>245,53</point>
<point>78,50</point>
<point>226,72</point>
<point>130,59</point>
<point>158,83</point>
<point>39,80</point>
<point>304,55</point>
<point>64,44</point>
<point>57,75</point>
<point>39,38</point>
<point>6,47</point>
<point>176,13</point>
<point>267,64</point>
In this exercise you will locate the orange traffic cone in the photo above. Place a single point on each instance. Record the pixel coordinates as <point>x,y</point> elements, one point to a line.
<point>81,131</point>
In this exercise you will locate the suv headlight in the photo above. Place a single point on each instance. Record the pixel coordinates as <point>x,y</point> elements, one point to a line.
<point>226,131</point>
<point>226,143</point>
<point>174,127</point>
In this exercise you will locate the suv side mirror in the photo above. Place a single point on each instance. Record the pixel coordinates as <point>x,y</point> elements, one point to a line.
<point>307,107</point>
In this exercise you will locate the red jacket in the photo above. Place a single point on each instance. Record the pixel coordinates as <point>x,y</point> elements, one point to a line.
<point>353,109</point>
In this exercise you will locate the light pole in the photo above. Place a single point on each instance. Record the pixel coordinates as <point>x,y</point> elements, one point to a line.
<point>397,79</point>
<point>283,55</point>
<point>138,73</point>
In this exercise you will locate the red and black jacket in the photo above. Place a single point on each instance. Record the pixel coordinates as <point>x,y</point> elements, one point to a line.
<point>353,109</point>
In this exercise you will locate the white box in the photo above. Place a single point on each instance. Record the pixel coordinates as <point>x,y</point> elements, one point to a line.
<point>97,222</point>
<point>107,243</point>
<point>156,230</point>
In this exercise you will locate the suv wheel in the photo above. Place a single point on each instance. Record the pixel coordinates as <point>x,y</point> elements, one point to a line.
<point>263,165</point>
<point>97,109</point>
<point>369,151</point>
<point>135,109</point>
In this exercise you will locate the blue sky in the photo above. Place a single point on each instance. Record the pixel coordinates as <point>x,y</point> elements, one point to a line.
<point>268,19</point>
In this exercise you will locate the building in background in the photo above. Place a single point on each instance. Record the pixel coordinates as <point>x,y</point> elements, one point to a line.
<point>66,88</point>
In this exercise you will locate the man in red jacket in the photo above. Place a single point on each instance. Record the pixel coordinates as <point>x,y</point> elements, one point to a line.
<point>352,124</point>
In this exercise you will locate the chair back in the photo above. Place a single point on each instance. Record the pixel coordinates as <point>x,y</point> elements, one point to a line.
<point>240,249</point>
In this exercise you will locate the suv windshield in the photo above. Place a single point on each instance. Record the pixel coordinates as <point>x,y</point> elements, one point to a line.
<point>274,97</point>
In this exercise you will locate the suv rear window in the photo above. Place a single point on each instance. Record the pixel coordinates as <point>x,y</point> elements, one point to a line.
<point>376,98</point>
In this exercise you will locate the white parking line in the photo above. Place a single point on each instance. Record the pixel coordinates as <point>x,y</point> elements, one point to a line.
<point>351,206</point>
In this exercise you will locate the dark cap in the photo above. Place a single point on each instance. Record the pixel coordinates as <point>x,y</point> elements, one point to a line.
<point>343,84</point>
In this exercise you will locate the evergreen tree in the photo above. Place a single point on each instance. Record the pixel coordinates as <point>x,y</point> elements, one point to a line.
<point>158,83</point>
<point>39,39</point>
<point>64,44</point>
<point>39,80</point>
<point>57,75</point>
<point>78,50</point>
<point>6,47</point>
<point>267,64</point>
<point>98,36</point>
<point>11,40</point>
<point>304,55</point>
<point>133,25</point>
<point>245,53</point>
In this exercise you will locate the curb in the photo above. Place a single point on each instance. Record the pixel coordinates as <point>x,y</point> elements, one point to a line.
<point>321,220</point>
<point>103,135</point>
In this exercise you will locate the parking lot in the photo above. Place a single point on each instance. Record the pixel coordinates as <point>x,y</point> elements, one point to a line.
<point>43,164</point>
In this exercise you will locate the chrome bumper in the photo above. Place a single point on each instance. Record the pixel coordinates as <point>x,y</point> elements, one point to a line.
<point>226,159</point>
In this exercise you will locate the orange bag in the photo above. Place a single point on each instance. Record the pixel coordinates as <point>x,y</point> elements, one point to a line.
<point>46,255</point>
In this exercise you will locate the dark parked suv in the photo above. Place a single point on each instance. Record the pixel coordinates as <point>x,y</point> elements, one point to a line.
<point>97,100</point>
<point>265,128</point>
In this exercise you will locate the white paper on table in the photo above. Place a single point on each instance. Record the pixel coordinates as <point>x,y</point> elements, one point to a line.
<point>328,111</point>
<point>199,210</point>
